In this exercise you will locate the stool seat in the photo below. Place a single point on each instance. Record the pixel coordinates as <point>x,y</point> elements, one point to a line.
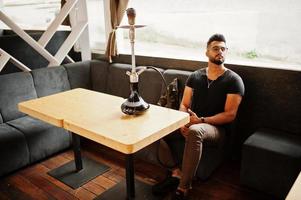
<point>271,161</point>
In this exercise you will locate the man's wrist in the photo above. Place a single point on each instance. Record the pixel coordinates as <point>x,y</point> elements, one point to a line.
<point>203,120</point>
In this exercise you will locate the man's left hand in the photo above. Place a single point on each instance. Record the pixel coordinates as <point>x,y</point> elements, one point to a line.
<point>194,119</point>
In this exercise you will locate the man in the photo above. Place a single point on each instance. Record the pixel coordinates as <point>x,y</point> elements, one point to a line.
<point>211,96</point>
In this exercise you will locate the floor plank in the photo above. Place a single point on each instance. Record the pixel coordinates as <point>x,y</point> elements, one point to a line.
<point>33,182</point>
<point>47,186</point>
<point>28,188</point>
<point>10,190</point>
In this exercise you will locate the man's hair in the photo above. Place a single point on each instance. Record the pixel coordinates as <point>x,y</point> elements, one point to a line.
<point>216,37</point>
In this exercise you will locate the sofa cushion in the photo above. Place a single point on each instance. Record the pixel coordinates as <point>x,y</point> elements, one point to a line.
<point>150,84</point>
<point>79,74</point>
<point>15,88</point>
<point>212,158</point>
<point>118,82</point>
<point>270,157</point>
<point>43,139</point>
<point>14,151</point>
<point>50,80</point>
<point>99,75</point>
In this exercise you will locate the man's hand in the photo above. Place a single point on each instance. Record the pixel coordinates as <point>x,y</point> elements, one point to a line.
<point>194,119</point>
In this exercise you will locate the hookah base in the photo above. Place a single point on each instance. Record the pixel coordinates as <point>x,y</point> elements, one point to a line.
<point>129,109</point>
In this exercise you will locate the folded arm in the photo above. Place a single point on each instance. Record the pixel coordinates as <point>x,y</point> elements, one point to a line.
<point>229,114</point>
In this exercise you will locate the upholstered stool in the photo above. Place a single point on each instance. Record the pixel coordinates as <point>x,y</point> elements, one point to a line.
<point>271,161</point>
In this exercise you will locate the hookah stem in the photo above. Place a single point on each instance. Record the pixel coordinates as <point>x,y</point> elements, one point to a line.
<point>132,39</point>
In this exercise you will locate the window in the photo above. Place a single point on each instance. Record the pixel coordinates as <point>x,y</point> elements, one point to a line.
<point>37,14</point>
<point>258,32</point>
<point>32,14</point>
<point>264,32</point>
<point>95,9</point>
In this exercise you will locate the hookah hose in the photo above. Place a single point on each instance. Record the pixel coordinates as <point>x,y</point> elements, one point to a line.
<point>158,142</point>
<point>157,70</point>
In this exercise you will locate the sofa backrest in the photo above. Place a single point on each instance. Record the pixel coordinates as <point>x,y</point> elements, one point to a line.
<point>99,75</point>
<point>15,88</point>
<point>150,85</point>
<point>50,80</point>
<point>79,74</point>
<point>272,100</point>
<point>118,83</point>
<point>117,80</point>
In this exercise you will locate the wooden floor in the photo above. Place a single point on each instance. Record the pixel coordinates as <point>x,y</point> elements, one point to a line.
<point>33,182</point>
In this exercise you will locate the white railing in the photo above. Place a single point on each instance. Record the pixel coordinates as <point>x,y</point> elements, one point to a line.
<point>5,57</point>
<point>77,10</point>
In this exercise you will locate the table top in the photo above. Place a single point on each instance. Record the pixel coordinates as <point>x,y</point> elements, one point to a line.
<point>295,191</point>
<point>98,116</point>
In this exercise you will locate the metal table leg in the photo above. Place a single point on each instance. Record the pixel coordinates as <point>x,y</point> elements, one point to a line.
<point>129,189</point>
<point>79,171</point>
<point>77,152</point>
<point>130,181</point>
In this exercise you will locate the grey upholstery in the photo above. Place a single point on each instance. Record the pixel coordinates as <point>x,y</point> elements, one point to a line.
<point>42,138</point>
<point>271,161</point>
<point>13,149</point>
<point>23,139</point>
<point>50,80</point>
<point>272,100</point>
<point>212,157</point>
<point>267,96</point>
<point>118,81</point>
<point>19,86</point>
<point>150,84</point>
<point>99,75</point>
<point>79,74</point>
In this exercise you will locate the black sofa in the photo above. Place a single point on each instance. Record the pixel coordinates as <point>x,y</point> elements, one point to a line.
<point>272,101</point>
<point>36,140</point>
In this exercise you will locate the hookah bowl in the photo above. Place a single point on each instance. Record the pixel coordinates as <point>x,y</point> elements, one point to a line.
<point>134,104</point>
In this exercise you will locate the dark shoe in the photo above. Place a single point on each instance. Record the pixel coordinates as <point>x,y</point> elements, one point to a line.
<point>178,195</point>
<point>169,184</point>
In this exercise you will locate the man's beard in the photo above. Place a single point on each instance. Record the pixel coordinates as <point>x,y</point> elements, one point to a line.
<point>217,61</point>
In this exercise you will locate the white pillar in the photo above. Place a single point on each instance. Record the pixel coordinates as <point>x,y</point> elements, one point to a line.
<point>1,7</point>
<point>79,16</point>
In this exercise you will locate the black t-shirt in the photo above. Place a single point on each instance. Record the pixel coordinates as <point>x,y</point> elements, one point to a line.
<point>208,101</point>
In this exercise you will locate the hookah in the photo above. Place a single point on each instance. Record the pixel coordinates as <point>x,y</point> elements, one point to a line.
<point>134,104</point>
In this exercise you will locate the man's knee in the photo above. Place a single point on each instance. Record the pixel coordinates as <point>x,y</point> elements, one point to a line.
<point>196,132</point>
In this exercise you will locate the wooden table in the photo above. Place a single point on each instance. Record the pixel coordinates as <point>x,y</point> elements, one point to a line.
<point>98,117</point>
<point>295,191</point>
